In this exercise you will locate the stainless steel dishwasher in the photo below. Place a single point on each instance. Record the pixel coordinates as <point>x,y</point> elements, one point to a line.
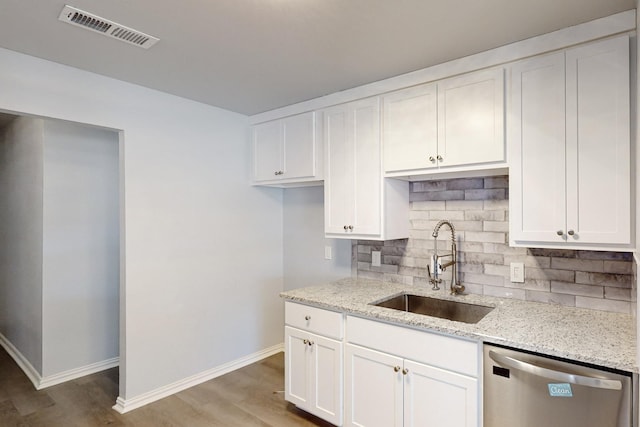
<point>528,390</point>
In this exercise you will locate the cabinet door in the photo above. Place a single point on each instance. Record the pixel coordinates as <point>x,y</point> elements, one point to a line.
<point>410,129</point>
<point>436,397</point>
<point>537,149</point>
<point>339,157</point>
<point>367,166</point>
<point>326,362</point>
<point>353,169</point>
<point>267,151</point>
<point>471,118</point>
<point>598,143</point>
<point>373,388</point>
<point>297,386</point>
<point>299,146</point>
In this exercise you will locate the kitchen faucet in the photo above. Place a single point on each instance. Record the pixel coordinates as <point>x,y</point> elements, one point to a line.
<point>436,263</point>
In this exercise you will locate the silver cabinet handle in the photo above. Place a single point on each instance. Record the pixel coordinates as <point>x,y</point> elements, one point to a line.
<point>307,317</point>
<point>405,371</point>
<point>440,158</point>
<point>396,369</point>
<point>570,232</point>
<point>432,159</point>
<point>512,363</point>
<point>559,232</point>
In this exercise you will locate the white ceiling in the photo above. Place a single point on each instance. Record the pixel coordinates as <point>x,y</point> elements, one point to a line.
<point>251,56</point>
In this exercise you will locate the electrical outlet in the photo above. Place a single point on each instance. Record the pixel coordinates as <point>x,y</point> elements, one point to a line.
<point>375,258</point>
<point>517,272</point>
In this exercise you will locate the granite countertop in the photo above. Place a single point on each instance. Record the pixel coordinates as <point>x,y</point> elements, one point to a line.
<point>590,336</point>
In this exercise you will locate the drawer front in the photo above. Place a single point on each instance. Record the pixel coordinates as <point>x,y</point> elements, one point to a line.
<point>312,319</point>
<point>454,354</point>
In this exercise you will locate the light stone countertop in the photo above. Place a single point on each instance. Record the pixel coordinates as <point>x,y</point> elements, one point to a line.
<point>590,336</point>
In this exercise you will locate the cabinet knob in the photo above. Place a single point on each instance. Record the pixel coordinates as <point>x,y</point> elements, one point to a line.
<point>570,232</point>
<point>432,159</point>
<point>559,232</point>
<point>405,371</point>
<point>305,342</point>
<point>310,343</point>
<point>440,158</point>
<point>346,228</point>
<point>396,369</point>
<point>351,228</point>
<point>307,317</point>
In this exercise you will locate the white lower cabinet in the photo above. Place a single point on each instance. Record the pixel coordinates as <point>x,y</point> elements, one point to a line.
<point>391,375</point>
<point>437,397</point>
<point>314,372</point>
<point>313,362</point>
<point>387,388</point>
<point>374,385</point>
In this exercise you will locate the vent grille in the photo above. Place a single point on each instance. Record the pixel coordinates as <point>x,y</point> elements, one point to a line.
<point>89,21</point>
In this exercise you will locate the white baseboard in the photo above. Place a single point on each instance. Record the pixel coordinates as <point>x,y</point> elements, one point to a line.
<point>72,374</point>
<point>40,382</point>
<point>22,361</point>
<point>125,405</point>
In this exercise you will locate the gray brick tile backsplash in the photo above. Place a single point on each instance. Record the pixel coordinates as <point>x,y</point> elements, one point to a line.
<point>437,195</point>
<point>496,182</point>
<point>479,209</point>
<point>485,194</point>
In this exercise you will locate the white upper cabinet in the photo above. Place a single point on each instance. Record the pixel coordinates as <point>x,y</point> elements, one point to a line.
<point>411,128</point>
<point>569,142</point>
<point>451,125</point>
<point>358,202</point>
<point>287,151</point>
<point>471,119</point>
<point>267,151</point>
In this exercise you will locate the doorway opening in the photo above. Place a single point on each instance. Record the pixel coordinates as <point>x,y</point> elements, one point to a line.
<point>60,264</point>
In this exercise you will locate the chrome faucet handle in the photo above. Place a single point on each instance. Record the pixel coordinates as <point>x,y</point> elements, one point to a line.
<point>433,280</point>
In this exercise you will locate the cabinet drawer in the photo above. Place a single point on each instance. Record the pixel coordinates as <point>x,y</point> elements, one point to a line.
<point>454,354</point>
<point>312,319</point>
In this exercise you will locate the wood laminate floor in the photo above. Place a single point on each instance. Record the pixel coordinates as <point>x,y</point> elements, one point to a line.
<point>250,396</point>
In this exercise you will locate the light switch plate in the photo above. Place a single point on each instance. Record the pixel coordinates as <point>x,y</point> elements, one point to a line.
<point>327,252</point>
<point>517,272</point>
<point>375,258</point>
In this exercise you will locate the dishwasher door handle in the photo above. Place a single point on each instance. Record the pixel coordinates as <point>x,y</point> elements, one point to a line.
<point>529,368</point>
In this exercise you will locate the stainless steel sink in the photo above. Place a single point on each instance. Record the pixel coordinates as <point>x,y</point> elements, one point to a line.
<point>445,309</point>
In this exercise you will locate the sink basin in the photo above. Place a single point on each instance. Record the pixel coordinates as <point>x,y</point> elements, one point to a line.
<point>445,309</point>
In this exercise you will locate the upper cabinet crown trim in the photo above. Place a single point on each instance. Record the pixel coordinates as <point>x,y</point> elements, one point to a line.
<point>560,39</point>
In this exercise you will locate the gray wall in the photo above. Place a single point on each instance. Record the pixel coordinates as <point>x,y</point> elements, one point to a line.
<point>21,237</point>
<point>191,223</point>
<point>304,242</point>
<point>80,246</point>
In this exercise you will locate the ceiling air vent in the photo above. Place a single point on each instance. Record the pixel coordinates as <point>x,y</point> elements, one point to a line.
<point>87,20</point>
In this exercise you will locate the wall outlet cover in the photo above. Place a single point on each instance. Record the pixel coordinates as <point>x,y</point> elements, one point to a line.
<point>517,272</point>
<point>375,258</point>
